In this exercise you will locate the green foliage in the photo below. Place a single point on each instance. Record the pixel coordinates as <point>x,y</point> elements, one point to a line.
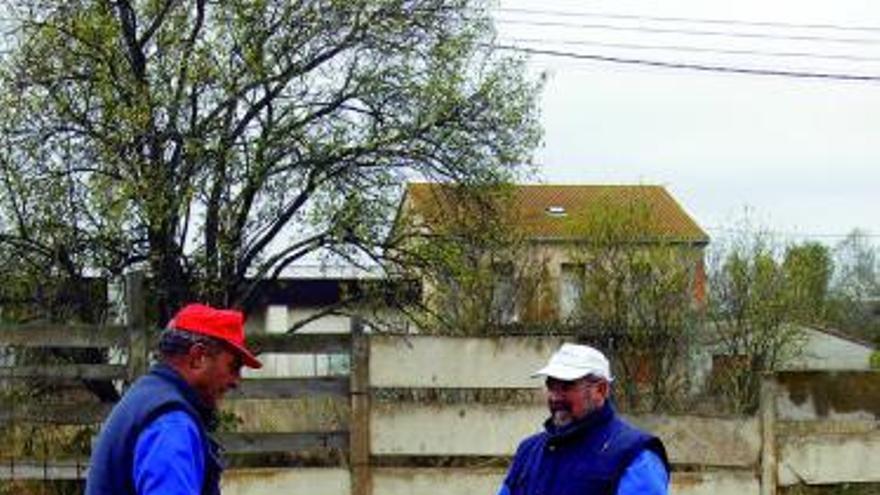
<point>217,143</point>
<point>471,262</point>
<point>808,268</point>
<point>875,360</point>
<point>759,301</point>
<point>638,300</point>
<point>855,288</point>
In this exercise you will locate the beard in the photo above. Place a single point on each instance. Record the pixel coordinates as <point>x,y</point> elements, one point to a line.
<point>560,413</point>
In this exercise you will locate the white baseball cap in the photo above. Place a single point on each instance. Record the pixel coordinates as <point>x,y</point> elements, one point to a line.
<point>573,361</point>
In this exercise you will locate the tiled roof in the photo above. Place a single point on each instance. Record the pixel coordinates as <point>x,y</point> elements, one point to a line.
<point>662,218</point>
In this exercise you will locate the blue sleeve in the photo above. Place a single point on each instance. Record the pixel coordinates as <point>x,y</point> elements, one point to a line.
<point>646,475</point>
<point>168,457</point>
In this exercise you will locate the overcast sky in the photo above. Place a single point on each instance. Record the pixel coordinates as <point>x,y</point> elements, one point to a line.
<point>802,153</point>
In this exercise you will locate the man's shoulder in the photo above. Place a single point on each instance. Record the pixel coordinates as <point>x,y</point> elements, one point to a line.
<point>531,441</point>
<point>638,440</point>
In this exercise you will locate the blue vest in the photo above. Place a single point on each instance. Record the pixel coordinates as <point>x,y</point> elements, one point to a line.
<point>587,457</point>
<point>159,391</point>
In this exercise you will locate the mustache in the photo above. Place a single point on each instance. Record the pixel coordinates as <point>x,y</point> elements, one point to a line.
<point>559,406</point>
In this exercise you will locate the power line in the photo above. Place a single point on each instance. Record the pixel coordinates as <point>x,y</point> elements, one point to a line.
<point>725,51</point>
<point>693,20</point>
<point>695,32</point>
<point>693,66</point>
<point>733,230</point>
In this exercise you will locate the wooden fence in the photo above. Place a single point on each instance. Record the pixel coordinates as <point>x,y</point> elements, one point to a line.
<point>130,345</point>
<point>422,414</point>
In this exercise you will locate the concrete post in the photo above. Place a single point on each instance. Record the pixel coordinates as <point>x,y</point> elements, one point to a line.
<point>769,468</point>
<point>359,428</point>
<point>136,320</point>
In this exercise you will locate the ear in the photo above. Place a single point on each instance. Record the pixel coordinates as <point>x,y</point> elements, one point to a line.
<point>604,388</point>
<point>196,356</point>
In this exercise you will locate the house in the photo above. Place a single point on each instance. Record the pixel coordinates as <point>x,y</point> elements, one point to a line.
<point>829,349</point>
<point>553,229</point>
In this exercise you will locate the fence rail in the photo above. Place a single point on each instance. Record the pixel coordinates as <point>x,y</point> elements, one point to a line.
<point>65,336</point>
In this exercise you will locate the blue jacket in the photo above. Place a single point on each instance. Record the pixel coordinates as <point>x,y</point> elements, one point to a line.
<point>587,457</point>
<point>161,393</point>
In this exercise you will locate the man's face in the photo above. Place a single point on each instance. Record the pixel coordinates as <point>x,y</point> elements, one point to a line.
<point>217,371</point>
<point>574,399</point>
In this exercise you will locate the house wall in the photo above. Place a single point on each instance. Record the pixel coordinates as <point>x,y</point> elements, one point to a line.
<point>546,257</point>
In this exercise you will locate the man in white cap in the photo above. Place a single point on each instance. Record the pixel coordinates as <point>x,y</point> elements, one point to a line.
<point>585,448</point>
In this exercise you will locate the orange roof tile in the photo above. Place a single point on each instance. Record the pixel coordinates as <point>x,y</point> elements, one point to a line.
<point>663,218</point>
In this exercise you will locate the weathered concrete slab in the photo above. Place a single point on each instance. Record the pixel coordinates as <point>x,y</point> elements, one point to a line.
<point>455,481</point>
<point>496,430</point>
<point>304,481</point>
<point>836,395</point>
<point>446,481</point>
<point>700,441</point>
<point>829,458</point>
<point>715,483</point>
<point>443,429</point>
<point>443,362</point>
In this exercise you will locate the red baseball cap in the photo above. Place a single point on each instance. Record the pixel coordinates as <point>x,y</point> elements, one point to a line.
<point>224,324</point>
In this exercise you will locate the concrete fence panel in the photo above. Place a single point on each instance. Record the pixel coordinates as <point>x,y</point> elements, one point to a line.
<point>448,430</point>
<point>300,481</point>
<point>700,441</point>
<point>496,430</point>
<point>445,481</point>
<point>715,483</point>
<point>443,362</point>
<point>835,395</point>
<point>469,481</point>
<point>830,458</point>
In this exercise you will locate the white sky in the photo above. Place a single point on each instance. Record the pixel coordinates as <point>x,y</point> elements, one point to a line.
<point>802,154</point>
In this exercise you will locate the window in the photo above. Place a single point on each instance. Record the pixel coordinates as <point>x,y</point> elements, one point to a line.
<point>503,294</point>
<point>571,290</point>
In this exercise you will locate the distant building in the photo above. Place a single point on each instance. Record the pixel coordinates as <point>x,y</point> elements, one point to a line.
<point>550,220</point>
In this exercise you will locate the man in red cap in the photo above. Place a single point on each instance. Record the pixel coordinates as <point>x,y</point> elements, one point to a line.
<point>157,438</point>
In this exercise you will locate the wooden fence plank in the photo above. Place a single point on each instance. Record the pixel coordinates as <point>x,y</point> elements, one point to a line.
<point>290,388</point>
<point>66,371</point>
<point>251,443</point>
<point>304,414</point>
<point>68,414</point>
<point>300,343</point>
<point>36,469</point>
<point>48,335</point>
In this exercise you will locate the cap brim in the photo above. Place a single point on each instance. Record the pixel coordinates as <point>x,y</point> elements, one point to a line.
<point>247,357</point>
<point>560,373</point>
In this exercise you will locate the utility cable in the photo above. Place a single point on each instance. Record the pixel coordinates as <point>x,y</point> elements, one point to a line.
<point>694,66</point>
<point>690,20</point>
<point>725,51</point>
<point>694,32</point>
